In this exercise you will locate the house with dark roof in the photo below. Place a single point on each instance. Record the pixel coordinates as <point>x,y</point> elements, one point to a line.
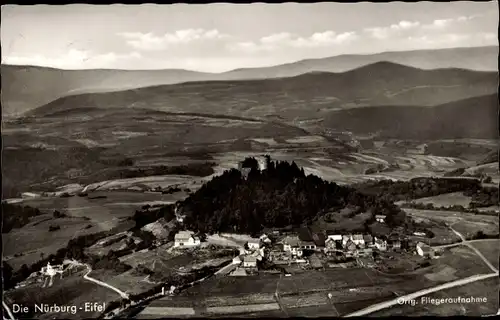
<point>319,240</point>
<point>368,240</point>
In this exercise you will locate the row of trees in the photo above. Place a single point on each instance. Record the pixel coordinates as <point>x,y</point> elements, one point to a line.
<point>417,188</point>
<point>16,216</point>
<point>280,196</point>
<point>455,207</point>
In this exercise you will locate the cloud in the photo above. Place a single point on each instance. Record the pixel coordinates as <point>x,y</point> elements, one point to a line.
<point>74,59</point>
<point>405,28</point>
<point>444,23</point>
<point>151,42</point>
<point>289,40</point>
<point>392,30</point>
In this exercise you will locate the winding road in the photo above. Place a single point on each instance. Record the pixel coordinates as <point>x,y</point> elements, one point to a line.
<point>403,299</point>
<point>99,282</point>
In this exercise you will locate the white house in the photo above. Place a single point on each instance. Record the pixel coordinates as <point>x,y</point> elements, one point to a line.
<point>424,250</point>
<point>265,239</point>
<point>420,234</point>
<point>380,244</point>
<point>292,245</point>
<point>335,237</point>
<point>249,262</point>
<point>380,218</point>
<point>186,239</point>
<point>253,244</point>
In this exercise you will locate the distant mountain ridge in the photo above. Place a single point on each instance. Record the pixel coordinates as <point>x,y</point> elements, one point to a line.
<point>27,87</point>
<point>386,98</point>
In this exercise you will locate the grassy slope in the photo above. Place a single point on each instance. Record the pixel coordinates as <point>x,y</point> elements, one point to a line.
<point>308,96</point>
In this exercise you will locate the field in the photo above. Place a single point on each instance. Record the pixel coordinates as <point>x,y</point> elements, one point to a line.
<point>300,294</point>
<point>465,223</point>
<point>469,229</point>
<point>129,281</point>
<point>490,249</point>
<point>457,262</point>
<point>19,247</point>
<point>446,200</point>
<point>63,293</point>
<point>481,289</point>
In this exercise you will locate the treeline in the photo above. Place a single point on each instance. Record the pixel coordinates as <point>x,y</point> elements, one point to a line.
<point>483,197</point>
<point>278,197</point>
<point>416,188</point>
<point>16,216</point>
<point>192,169</point>
<point>455,207</point>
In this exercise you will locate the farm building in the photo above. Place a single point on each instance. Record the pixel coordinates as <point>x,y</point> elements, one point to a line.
<point>368,240</point>
<point>380,218</point>
<point>380,244</point>
<point>307,245</point>
<point>345,239</point>
<point>394,244</point>
<point>253,244</point>
<point>319,240</point>
<point>185,239</point>
<point>292,244</point>
<point>265,239</point>
<point>249,262</point>
<point>350,246</point>
<point>424,250</point>
<point>335,237</point>
<point>358,240</point>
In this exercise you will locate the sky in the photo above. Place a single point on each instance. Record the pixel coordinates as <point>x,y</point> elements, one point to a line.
<point>222,37</point>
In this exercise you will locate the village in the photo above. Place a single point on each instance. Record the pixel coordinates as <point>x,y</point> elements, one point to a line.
<point>301,249</point>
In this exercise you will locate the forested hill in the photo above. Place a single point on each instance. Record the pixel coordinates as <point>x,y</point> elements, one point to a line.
<point>277,197</point>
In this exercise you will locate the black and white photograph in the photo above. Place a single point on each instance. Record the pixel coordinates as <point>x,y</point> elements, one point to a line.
<point>258,160</point>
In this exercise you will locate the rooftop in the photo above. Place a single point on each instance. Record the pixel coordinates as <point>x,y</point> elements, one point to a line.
<point>292,241</point>
<point>181,235</point>
<point>250,259</point>
<point>253,240</point>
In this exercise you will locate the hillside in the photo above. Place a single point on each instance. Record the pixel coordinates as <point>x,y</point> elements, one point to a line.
<point>280,196</point>
<point>308,96</point>
<point>28,87</point>
<point>470,118</point>
<point>475,58</point>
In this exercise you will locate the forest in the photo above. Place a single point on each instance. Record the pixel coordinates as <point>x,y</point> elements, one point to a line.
<point>280,196</point>
<point>16,216</point>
